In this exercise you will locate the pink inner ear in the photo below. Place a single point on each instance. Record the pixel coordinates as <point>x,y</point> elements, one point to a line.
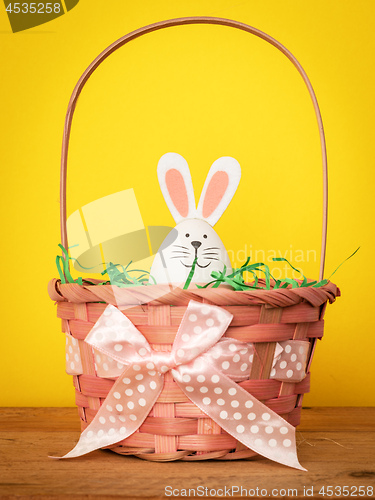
<point>215,192</point>
<point>177,191</point>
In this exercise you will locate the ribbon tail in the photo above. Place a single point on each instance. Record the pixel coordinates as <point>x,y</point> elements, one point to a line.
<point>123,411</point>
<point>239,413</point>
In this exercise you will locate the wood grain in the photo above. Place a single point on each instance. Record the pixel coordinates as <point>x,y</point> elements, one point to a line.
<point>336,445</point>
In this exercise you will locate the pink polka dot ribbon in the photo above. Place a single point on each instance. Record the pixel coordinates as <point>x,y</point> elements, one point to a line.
<point>205,367</point>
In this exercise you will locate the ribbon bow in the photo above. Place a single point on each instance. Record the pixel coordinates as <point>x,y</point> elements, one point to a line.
<point>204,367</point>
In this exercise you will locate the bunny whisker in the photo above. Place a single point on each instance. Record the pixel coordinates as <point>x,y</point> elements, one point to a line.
<point>180,257</point>
<point>180,246</point>
<point>181,252</point>
<point>210,258</point>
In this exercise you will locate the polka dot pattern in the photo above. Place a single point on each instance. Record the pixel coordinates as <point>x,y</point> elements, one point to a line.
<point>73,363</point>
<point>290,363</point>
<point>207,379</point>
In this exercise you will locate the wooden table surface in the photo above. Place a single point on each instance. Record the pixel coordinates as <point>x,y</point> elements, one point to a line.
<point>336,445</point>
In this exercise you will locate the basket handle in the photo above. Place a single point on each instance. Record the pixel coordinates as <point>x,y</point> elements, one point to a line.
<point>178,22</point>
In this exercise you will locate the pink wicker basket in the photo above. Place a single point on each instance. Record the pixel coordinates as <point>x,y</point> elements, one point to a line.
<point>176,428</point>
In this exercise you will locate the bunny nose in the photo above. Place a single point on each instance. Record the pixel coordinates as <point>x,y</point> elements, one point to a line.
<point>196,244</point>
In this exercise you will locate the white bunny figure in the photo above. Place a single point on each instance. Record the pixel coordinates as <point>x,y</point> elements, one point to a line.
<point>194,236</point>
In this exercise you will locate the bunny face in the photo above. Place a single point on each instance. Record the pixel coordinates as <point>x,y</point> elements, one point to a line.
<point>194,237</point>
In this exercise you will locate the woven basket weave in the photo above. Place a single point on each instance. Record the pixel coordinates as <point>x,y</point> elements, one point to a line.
<point>176,428</point>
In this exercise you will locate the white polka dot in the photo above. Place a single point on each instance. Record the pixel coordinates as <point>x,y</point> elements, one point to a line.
<point>99,336</point>
<point>218,390</point>
<point>133,417</point>
<point>180,353</point>
<point>119,407</point>
<point>293,357</point>
<point>240,429</point>
<point>301,350</point>
<point>299,366</point>
<point>232,391</point>
<point>111,431</point>
<point>206,401</point>
<point>235,404</point>
<point>129,392</point>
<point>112,418</point>
<point>197,330</point>
<point>141,388</point>
<point>287,443</point>
<point>288,348</point>
<point>117,395</point>
<point>109,407</point>
<point>185,337</point>
<point>139,376</point>
<point>216,355</point>
<point>284,430</point>
<point>152,373</point>
<point>269,429</point>
<point>130,405</point>
<point>273,372</point>
<point>142,351</point>
<point>251,416</point>
<point>107,311</point>
<point>122,430</point>
<point>258,442</point>
<point>150,366</point>
<point>272,443</point>
<point>98,358</point>
<point>244,367</point>
<point>142,402</point>
<point>215,379</point>
<point>89,434</point>
<point>254,429</point>
<point>220,402</point>
<point>67,356</point>
<point>237,416</point>
<point>233,347</point>
<point>205,310</point>
<point>283,364</point>
<point>225,365</point>
<point>72,366</point>
<point>164,369</point>
<point>76,357</point>
<point>236,358</point>
<point>70,349</point>
<point>186,378</point>
<point>121,418</point>
<point>153,385</point>
<point>120,366</point>
<point>223,414</point>
<point>126,380</point>
<point>100,433</point>
<point>118,347</point>
<point>251,357</point>
<point>136,368</point>
<point>249,404</point>
<point>266,416</point>
<point>105,367</point>
<point>210,322</point>
<point>193,317</point>
<point>201,378</point>
<point>203,389</point>
<point>189,388</point>
<point>289,373</point>
<point>243,351</point>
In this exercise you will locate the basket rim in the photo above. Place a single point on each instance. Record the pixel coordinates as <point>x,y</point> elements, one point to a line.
<point>167,295</point>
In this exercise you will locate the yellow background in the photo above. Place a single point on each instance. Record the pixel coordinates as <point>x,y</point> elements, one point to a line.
<point>204,92</point>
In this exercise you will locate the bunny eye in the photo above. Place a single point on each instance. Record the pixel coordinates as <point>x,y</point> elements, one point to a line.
<point>205,236</point>
<point>187,235</point>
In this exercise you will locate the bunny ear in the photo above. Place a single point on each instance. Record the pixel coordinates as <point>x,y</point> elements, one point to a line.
<point>221,184</point>
<point>176,186</point>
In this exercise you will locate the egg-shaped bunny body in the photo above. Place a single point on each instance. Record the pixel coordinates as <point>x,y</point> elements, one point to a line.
<point>194,236</point>
<point>195,239</point>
